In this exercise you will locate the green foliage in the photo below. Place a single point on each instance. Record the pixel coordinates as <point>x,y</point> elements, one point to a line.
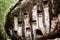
<point>5,7</point>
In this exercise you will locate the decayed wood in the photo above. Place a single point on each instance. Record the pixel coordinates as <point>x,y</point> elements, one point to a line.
<point>36,16</point>
<point>34,19</point>
<point>52,7</point>
<point>20,23</point>
<point>40,18</point>
<point>46,13</point>
<point>54,22</point>
<point>54,39</point>
<point>21,5</point>
<point>19,31</point>
<point>15,23</point>
<point>59,17</point>
<point>27,26</point>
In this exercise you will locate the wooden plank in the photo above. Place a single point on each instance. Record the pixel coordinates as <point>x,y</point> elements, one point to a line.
<point>41,17</point>
<point>27,27</point>
<point>41,26</point>
<point>47,20</point>
<point>35,20</point>
<point>15,23</point>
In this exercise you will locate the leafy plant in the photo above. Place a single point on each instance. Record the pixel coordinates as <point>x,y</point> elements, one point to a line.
<point>5,7</point>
